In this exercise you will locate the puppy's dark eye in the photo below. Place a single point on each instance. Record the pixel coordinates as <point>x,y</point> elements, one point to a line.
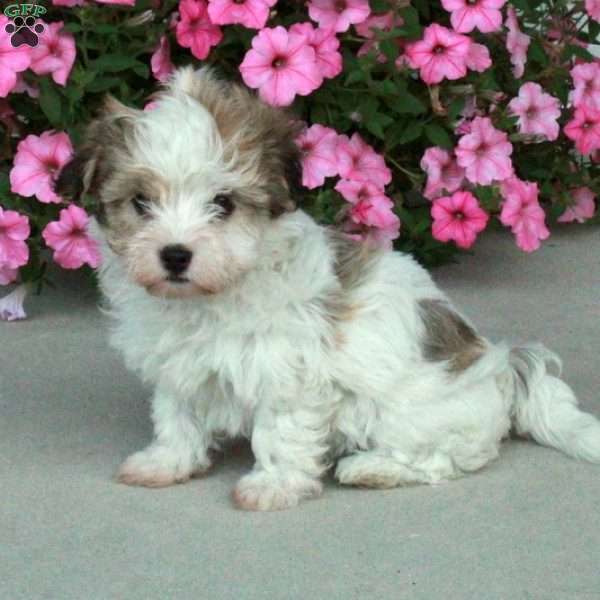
<point>225,203</point>
<point>141,204</point>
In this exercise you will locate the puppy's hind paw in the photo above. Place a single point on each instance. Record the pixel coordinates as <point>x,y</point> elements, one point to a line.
<point>263,491</point>
<point>155,467</point>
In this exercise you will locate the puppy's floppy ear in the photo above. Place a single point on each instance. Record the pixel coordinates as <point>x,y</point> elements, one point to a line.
<point>76,176</point>
<point>281,158</point>
<point>90,162</point>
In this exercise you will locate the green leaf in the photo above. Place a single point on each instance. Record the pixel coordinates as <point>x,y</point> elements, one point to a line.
<point>389,48</point>
<point>375,128</point>
<point>537,54</point>
<point>572,50</point>
<point>368,107</point>
<point>50,102</point>
<point>142,70</point>
<point>355,76</point>
<point>411,26</point>
<point>412,131</point>
<point>593,31</point>
<point>104,28</point>
<point>423,6</point>
<point>407,103</point>
<point>101,84</point>
<point>114,63</point>
<point>72,27</point>
<point>378,6</point>
<point>393,136</point>
<point>438,135</point>
<point>388,88</point>
<point>455,108</point>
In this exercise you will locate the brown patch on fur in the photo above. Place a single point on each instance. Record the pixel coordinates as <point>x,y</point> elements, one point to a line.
<point>448,337</point>
<point>353,260</point>
<point>105,148</point>
<point>253,132</point>
<point>352,263</point>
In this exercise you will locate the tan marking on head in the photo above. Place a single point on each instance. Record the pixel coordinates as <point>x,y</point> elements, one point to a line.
<point>258,138</point>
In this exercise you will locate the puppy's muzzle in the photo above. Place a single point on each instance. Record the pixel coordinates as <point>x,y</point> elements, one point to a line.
<point>175,259</point>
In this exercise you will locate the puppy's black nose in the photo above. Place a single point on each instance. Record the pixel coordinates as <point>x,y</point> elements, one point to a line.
<point>176,258</point>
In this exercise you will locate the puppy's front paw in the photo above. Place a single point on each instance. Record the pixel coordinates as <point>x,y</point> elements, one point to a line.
<point>266,491</point>
<point>158,466</point>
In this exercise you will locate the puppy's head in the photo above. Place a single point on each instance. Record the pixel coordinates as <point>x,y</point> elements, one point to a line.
<point>186,192</point>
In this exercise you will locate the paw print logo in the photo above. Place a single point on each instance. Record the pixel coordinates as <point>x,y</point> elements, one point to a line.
<point>24,30</point>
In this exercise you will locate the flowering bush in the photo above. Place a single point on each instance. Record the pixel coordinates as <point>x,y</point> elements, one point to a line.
<point>425,121</point>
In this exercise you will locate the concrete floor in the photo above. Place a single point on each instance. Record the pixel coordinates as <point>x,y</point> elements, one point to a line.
<point>527,527</point>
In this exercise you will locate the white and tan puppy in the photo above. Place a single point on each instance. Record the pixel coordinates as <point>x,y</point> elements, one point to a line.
<point>251,320</point>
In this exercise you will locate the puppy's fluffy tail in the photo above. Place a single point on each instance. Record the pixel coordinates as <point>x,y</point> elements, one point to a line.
<point>545,407</point>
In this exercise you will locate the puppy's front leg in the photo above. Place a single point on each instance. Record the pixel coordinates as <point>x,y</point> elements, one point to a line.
<point>288,447</point>
<point>178,451</point>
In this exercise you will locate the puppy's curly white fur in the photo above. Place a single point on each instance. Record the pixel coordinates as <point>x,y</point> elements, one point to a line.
<point>251,320</point>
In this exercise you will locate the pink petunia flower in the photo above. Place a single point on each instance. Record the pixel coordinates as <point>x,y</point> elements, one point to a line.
<point>7,275</point>
<point>124,2</point>
<point>584,129</point>
<point>160,62</point>
<point>377,22</point>
<point>470,110</point>
<point>69,239</point>
<point>441,54</point>
<point>11,305</point>
<point>484,153</point>
<point>54,54</point>
<point>195,30</point>
<point>37,164</point>
<point>69,3</point>
<point>371,217</point>
<point>383,237</point>
<point>249,13</point>
<point>583,207</point>
<point>22,87</point>
<point>281,64</point>
<point>14,253</point>
<point>359,162</point>
<point>537,111</point>
<point>338,14</point>
<point>12,60</point>
<point>593,9</point>
<point>458,218</point>
<point>326,46</point>
<point>443,172</point>
<point>517,43</point>
<point>374,24</point>
<point>318,147</point>
<point>356,191</point>
<point>467,15</point>
<point>374,211</point>
<point>478,58</point>
<point>586,79</point>
<point>523,214</point>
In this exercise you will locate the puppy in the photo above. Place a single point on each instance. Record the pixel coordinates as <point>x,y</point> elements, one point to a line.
<point>251,320</point>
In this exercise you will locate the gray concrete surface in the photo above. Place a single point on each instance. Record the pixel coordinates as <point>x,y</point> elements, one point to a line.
<point>527,527</point>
